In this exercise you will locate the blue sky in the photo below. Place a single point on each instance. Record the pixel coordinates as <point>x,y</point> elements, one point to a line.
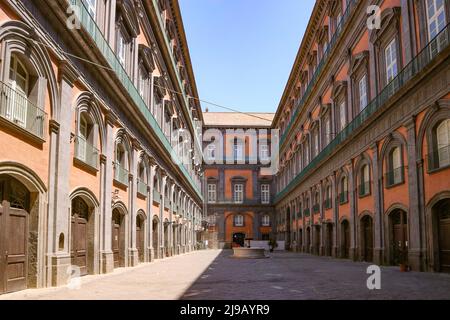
<point>242,51</point>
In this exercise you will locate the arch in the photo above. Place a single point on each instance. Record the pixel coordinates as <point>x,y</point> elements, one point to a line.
<point>16,36</point>
<point>119,234</point>
<point>396,235</point>
<point>24,174</point>
<point>86,194</point>
<point>123,139</point>
<point>344,239</point>
<point>366,231</point>
<point>85,102</point>
<point>141,232</point>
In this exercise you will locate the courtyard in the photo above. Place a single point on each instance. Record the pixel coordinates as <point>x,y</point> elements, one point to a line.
<point>214,275</point>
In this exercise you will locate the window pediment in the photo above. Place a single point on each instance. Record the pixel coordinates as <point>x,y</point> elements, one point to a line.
<point>147,57</point>
<point>390,18</point>
<point>359,62</point>
<point>128,14</point>
<point>339,88</point>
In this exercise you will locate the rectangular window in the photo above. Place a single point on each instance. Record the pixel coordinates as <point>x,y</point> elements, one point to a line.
<point>316,143</point>
<point>436,17</point>
<point>91,6</point>
<point>238,152</point>
<point>239,221</point>
<point>212,193</point>
<point>264,152</point>
<point>265,221</point>
<point>121,49</point>
<point>362,93</point>
<point>265,193</point>
<point>238,193</point>
<point>391,61</point>
<point>327,131</point>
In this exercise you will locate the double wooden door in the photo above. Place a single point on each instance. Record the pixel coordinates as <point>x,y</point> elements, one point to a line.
<point>117,240</point>
<point>14,239</point>
<point>367,229</point>
<point>79,234</point>
<point>345,240</point>
<point>444,237</point>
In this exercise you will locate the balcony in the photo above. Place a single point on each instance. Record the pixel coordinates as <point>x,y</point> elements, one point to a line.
<point>439,159</point>
<point>343,197</point>
<point>395,177</point>
<point>142,188</point>
<point>312,83</point>
<point>86,152</point>
<point>156,196</point>
<point>120,174</point>
<point>364,189</point>
<point>109,55</point>
<point>327,203</point>
<point>20,112</point>
<point>412,69</point>
<point>166,203</point>
<point>306,212</point>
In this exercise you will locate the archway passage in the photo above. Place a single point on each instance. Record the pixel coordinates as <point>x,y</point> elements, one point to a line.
<point>239,239</point>
<point>14,235</point>
<point>329,240</point>
<point>155,231</point>
<point>118,239</point>
<point>345,241</point>
<point>367,238</point>
<point>317,239</point>
<point>443,216</point>
<point>140,237</point>
<point>288,229</point>
<point>166,238</point>
<point>79,233</point>
<point>308,240</point>
<point>399,237</point>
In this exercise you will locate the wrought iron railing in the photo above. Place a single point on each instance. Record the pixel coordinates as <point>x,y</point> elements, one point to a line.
<point>156,196</point>
<point>86,152</point>
<point>142,187</point>
<point>19,110</point>
<point>413,68</point>
<point>439,158</point>
<point>395,176</point>
<point>108,53</point>
<point>316,208</point>
<point>121,174</point>
<point>364,189</point>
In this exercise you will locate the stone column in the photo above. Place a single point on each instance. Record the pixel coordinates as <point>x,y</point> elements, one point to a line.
<point>133,255</point>
<point>353,222</point>
<point>61,158</point>
<point>378,214</point>
<point>106,254</point>
<point>311,223</point>
<point>408,32</point>
<point>322,224</point>
<point>416,250</point>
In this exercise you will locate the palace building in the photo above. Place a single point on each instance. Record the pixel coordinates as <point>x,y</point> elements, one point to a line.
<point>91,92</point>
<point>365,135</point>
<point>239,195</point>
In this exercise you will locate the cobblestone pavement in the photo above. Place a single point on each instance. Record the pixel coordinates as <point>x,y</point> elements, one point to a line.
<point>213,274</point>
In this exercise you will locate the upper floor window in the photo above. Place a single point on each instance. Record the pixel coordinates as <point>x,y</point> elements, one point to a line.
<point>85,149</point>
<point>362,93</point>
<point>265,220</point>
<point>211,152</point>
<point>264,152</point>
<point>92,7</point>
<point>17,106</point>
<point>238,151</point>
<point>343,197</point>
<point>342,115</point>
<point>121,48</point>
<point>395,167</point>
<point>443,143</point>
<point>212,195</point>
<point>265,193</point>
<point>239,193</point>
<point>327,132</point>
<point>364,187</point>
<point>391,60</point>
<point>306,148</point>
<point>436,17</point>
<point>316,143</point>
<point>239,220</point>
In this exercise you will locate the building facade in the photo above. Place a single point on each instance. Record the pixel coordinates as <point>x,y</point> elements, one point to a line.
<point>94,173</point>
<point>238,194</point>
<point>365,127</point>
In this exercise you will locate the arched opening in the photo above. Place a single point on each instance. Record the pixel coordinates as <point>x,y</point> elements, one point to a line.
<point>140,236</point>
<point>118,238</point>
<point>367,238</point>
<point>82,236</point>
<point>441,219</point>
<point>18,235</point>
<point>317,236</point>
<point>166,237</point>
<point>288,229</point>
<point>329,239</point>
<point>155,233</point>
<point>442,137</point>
<point>345,239</point>
<point>300,238</point>
<point>399,237</point>
<point>308,240</point>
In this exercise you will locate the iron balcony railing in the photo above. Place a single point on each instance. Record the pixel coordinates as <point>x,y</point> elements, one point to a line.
<point>156,196</point>
<point>413,68</point>
<point>325,57</point>
<point>327,203</point>
<point>102,44</point>
<point>439,158</point>
<point>306,212</point>
<point>120,174</point>
<point>86,152</point>
<point>364,189</point>
<point>343,197</point>
<point>395,176</point>
<point>19,110</point>
<point>142,187</point>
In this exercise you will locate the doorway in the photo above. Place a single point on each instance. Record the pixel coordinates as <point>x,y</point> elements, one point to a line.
<point>239,239</point>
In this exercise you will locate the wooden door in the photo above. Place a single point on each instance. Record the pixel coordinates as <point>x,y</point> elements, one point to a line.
<point>399,237</point>
<point>444,242</point>
<point>79,230</point>
<point>140,238</point>
<point>116,240</point>
<point>368,239</point>
<point>345,240</point>
<point>329,239</point>
<point>13,235</point>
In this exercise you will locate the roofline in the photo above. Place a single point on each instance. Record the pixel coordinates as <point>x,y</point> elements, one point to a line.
<point>298,60</point>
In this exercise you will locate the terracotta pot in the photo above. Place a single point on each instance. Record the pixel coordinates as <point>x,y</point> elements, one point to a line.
<point>403,267</point>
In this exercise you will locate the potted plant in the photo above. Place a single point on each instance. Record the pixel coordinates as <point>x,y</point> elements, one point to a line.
<point>272,244</point>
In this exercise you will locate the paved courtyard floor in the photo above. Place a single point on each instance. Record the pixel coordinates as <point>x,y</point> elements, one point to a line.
<point>212,274</point>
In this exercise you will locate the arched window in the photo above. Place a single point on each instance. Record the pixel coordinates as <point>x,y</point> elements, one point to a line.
<point>121,164</point>
<point>85,149</point>
<point>17,106</point>
<point>343,197</point>
<point>142,179</point>
<point>364,187</point>
<point>316,206</point>
<point>443,143</point>
<point>395,167</point>
<point>328,197</point>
